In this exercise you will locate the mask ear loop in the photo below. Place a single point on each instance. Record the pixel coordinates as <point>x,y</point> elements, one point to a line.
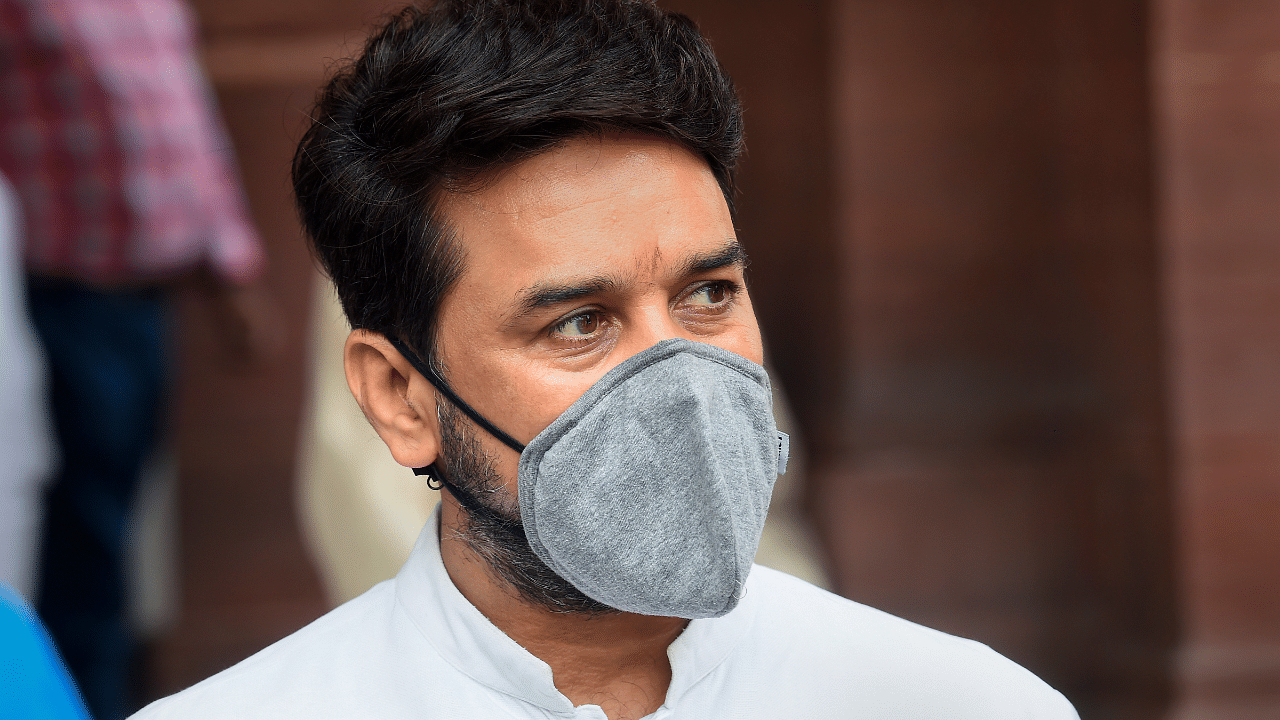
<point>443,387</point>
<point>436,480</point>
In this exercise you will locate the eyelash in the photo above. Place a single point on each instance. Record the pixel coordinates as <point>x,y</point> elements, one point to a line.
<point>730,288</point>
<point>560,326</point>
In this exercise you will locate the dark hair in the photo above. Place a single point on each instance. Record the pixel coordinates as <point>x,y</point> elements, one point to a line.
<point>445,93</point>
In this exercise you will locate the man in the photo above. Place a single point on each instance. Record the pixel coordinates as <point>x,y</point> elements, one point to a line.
<point>526,207</point>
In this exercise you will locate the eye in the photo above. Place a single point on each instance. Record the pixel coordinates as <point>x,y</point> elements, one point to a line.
<point>579,327</point>
<point>711,296</point>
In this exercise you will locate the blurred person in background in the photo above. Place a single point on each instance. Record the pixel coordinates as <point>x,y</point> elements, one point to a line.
<point>125,177</point>
<point>526,208</point>
<point>34,684</point>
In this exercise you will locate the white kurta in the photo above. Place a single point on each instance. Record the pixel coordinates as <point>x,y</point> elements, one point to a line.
<point>414,647</point>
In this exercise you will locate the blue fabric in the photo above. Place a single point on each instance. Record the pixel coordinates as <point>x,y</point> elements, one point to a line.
<point>107,361</point>
<point>33,683</point>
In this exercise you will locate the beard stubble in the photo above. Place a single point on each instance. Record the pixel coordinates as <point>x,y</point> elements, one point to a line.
<point>493,527</point>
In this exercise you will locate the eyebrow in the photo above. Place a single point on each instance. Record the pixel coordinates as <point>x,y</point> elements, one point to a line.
<point>727,256</point>
<point>540,296</point>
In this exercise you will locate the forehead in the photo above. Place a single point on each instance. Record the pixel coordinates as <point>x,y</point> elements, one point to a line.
<point>599,206</point>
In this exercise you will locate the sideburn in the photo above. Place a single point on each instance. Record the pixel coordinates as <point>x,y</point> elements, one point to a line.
<point>494,531</point>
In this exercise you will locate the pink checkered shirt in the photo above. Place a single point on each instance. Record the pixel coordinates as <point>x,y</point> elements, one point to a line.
<point>109,137</point>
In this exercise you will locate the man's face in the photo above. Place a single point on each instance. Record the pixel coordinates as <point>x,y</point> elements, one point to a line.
<point>575,260</point>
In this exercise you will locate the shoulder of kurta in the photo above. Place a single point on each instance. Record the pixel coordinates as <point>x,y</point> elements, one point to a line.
<point>293,676</point>
<point>854,653</point>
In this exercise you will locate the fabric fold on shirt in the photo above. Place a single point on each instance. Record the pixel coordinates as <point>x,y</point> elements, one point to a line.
<point>472,644</point>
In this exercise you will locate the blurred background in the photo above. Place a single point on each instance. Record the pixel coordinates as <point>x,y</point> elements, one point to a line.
<point>1017,263</point>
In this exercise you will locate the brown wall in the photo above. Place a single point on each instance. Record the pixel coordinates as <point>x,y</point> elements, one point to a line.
<point>1217,64</point>
<point>1003,476</point>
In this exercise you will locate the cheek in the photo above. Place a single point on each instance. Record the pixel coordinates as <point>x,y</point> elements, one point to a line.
<point>534,396</point>
<point>745,339</point>
<point>748,347</point>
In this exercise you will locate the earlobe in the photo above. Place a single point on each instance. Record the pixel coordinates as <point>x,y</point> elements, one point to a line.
<point>396,400</point>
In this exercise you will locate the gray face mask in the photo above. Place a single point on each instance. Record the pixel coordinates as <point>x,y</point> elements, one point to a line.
<point>649,493</point>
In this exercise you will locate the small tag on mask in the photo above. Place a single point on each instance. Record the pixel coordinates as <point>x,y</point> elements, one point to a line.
<point>784,451</point>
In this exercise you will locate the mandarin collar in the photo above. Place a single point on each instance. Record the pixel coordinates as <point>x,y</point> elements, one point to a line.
<point>473,645</point>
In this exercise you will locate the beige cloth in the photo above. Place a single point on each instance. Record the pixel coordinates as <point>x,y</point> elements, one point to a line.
<point>361,511</point>
<point>26,433</point>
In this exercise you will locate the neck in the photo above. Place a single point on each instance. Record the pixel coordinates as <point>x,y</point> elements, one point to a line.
<point>617,661</point>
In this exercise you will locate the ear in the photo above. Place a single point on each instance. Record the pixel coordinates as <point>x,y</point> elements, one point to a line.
<point>398,402</point>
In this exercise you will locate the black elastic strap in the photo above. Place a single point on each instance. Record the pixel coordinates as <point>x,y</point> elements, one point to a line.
<point>468,501</point>
<point>438,382</point>
<point>435,479</point>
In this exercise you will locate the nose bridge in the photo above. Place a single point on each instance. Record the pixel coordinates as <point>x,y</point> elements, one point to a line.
<point>651,320</point>
<point>651,323</point>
